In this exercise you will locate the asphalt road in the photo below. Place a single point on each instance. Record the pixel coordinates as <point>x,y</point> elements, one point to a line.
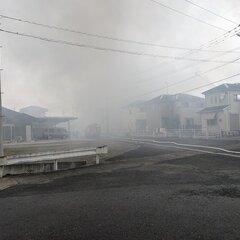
<point>142,194</point>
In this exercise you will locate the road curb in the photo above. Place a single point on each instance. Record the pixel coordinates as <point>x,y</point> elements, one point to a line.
<point>7,182</point>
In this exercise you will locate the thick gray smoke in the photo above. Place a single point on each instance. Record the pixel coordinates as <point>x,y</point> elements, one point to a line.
<point>92,84</point>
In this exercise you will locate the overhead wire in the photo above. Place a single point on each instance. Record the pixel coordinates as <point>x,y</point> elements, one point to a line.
<point>99,35</point>
<point>169,73</point>
<point>187,79</point>
<point>211,43</point>
<point>191,51</point>
<point>234,30</point>
<point>187,15</point>
<point>107,49</point>
<point>211,12</point>
<point>209,84</point>
<point>94,35</point>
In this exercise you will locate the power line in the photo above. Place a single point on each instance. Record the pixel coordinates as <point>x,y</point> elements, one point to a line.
<point>189,78</point>
<point>183,68</point>
<point>97,35</point>
<point>186,15</point>
<point>108,49</point>
<point>192,51</point>
<point>226,34</point>
<point>211,43</point>
<point>206,85</point>
<point>170,72</point>
<point>202,86</point>
<point>205,9</point>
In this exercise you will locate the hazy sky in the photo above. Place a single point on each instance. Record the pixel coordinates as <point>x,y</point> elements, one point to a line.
<point>71,80</point>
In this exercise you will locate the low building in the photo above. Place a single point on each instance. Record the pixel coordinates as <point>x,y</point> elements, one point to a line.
<point>19,126</point>
<point>222,112</point>
<point>15,125</point>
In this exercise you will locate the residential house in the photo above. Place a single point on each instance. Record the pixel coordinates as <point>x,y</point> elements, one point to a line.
<point>165,112</point>
<point>179,111</point>
<point>222,111</point>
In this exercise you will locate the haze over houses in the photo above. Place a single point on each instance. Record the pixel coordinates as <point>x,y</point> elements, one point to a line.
<point>216,115</point>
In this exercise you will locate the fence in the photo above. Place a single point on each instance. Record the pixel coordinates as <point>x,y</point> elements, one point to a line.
<point>187,133</point>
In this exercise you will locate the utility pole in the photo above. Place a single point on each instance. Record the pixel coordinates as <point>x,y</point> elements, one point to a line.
<point>2,157</point>
<point>1,119</point>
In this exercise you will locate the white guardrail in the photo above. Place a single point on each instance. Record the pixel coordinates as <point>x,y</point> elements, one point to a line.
<point>52,157</point>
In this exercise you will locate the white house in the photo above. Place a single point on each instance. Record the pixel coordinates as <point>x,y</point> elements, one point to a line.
<point>222,111</point>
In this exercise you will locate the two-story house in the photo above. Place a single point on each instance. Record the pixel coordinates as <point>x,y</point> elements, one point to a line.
<point>165,112</point>
<point>178,111</point>
<point>222,111</point>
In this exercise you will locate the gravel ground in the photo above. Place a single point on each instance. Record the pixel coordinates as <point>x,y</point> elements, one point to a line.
<point>142,194</point>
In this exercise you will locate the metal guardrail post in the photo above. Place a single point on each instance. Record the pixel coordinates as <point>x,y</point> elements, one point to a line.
<point>1,171</point>
<point>55,165</point>
<point>2,164</point>
<point>97,159</point>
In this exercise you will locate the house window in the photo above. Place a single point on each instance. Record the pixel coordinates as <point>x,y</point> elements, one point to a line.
<point>211,122</point>
<point>222,97</point>
<point>237,97</point>
<point>216,99</point>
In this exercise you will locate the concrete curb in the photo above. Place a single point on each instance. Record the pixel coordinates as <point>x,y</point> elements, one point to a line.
<point>7,182</point>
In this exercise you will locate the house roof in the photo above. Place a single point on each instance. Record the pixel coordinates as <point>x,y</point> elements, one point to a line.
<point>55,120</point>
<point>176,97</point>
<point>184,97</point>
<point>167,98</point>
<point>34,108</point>
<point>214,109</point>
<point>11,116</point>
<point>224,88</point>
